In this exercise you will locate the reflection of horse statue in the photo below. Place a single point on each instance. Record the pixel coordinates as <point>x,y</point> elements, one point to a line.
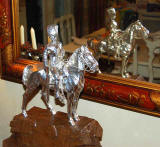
<point>153,44</point>
<point>124,42</point>
<point>72,81</point>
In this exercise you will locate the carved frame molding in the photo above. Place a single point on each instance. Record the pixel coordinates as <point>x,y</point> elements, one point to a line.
<point>128,94</point>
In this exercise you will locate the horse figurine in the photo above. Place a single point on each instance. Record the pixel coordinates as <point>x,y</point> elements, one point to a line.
<point>72,81</point>
<point>124,42</point>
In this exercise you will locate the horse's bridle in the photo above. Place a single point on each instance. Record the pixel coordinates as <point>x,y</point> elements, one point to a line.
<point>81,57</point>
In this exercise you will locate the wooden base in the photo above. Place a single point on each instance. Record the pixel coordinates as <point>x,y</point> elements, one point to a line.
<point>41,130</point>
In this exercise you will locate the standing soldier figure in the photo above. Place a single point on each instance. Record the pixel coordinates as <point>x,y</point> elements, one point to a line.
<point>53,62</point>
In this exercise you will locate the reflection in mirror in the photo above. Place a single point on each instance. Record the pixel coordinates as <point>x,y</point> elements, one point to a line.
<point>92,21</point>
<point>75,18</point>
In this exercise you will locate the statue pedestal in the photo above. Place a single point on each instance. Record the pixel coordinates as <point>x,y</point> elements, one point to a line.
<point>40,130</point>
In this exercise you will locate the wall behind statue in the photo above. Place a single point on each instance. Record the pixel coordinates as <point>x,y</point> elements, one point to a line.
<point>121,128</point>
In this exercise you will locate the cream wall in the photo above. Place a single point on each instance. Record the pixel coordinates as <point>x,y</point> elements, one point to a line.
<point>121,128</point>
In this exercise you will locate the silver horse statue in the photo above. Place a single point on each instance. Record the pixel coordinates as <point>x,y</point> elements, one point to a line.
<point>124,43</point>
<point>72,81</point>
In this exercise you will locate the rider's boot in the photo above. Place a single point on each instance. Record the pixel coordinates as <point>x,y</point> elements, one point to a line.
<point>60,97</point>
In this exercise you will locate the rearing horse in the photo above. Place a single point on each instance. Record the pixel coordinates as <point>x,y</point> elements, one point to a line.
<point>72,81</point>
<point>124,42</point>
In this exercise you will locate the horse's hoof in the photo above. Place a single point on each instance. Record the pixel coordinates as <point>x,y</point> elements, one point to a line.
<point>51,109</point>
<point>76,117</point>
<point>53,112</point>
<point>127,75</point>
<point>99,71</point>
<point>123,76</point>
<point>24,113</point>
<point>71,121</point>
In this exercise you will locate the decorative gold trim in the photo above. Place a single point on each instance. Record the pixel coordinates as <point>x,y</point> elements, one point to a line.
<point>4,31</point>
<point>15,22</point>
<point>124,81</point>
<point>6,35</point>
<point>8,54</point>
<point>155,97</point>
<point>121,105</point>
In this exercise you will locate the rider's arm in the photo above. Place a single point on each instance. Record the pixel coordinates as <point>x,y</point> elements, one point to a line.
<point>62,51</point>
<point>45,57</point>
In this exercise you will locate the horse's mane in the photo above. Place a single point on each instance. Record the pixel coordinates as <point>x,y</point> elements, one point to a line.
<point>130,27</point>
<point>72,63</point>
<point>128,31</point>
<point>74,55</point>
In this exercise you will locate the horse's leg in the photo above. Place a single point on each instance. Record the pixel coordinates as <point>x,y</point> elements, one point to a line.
<point>135,61</point>
<point>124,72</point>
<point>26,99</point>
<point>123,67</point>
<point>75,104</point>
<point>70,108</point>
<point>24,103</point>
<point>45,100</point>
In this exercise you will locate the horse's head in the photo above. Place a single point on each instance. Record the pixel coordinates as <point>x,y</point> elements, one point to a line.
<point>86,57</point>
<point>140,32</point>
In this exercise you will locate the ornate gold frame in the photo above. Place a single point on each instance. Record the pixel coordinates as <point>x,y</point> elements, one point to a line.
<point>129,94</point>
<point>12,64</point>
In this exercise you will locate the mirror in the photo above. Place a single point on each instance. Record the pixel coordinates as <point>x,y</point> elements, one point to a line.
<point>39,14</point>
<point>90,17</point>
<point>135,95</point>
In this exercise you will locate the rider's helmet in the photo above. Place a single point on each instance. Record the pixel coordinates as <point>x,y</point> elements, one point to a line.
<point>111,12</point>
<point>52,31</point>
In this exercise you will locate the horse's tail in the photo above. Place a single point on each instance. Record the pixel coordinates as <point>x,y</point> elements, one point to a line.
<point>26,74</point>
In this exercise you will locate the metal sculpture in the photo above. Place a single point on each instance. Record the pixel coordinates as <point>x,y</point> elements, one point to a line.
<point>66,78</point>
<point>119,43</point>
<point>55,52</point>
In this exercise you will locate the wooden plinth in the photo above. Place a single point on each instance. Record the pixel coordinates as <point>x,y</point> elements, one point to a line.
<point>40,130</point>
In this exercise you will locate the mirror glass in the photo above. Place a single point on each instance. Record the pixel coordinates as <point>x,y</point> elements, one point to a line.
<point>87,19</point>
<point>75,18</point>
<point>37,14</point>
